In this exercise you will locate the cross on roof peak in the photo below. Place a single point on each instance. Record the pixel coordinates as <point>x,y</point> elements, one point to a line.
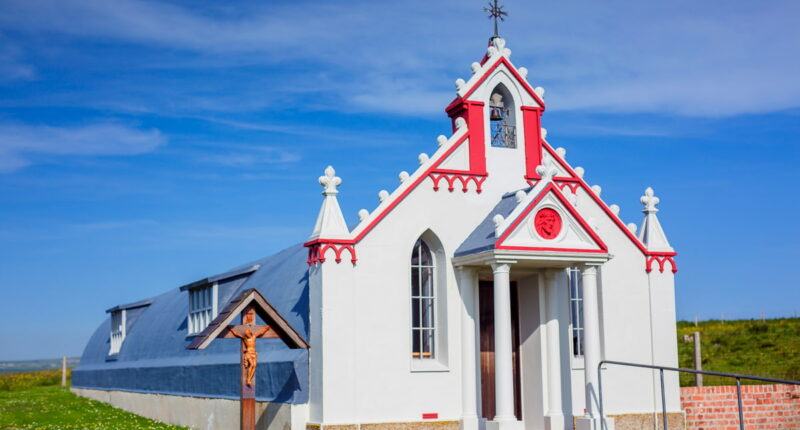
<point>496,12</point>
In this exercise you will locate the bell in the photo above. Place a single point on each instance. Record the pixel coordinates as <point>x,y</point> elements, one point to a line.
<point>495,115</point>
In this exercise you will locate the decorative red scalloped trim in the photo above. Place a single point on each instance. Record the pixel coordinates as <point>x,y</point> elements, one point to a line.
<point>661,259</point>
<point>568,183</point>
<point>318,248</point>
<point>451,178</point>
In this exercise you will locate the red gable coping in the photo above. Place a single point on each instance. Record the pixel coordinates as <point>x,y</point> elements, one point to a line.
<point>574,178</point>
<point>502,60</point>
<point>551,188</point>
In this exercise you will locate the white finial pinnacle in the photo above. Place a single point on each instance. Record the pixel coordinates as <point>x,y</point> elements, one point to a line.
<point>498,221</point>
<point>580,172</point>
<point>562,153</point>
<point>651,233</point>
<point>614,209</point>
<point>547,170</point>
<point>423,158</point>
<point>330,181</point>
<point>475,67</point>
<point>523,71</point>
<point>330,221</point>
<point>632,227</point>
<point>363,214</point>
<point>459,84</point>
<point>520,195</point>
<point>649,200</point>
<point>441,140</point>
<point>597,189</point>
<point>383,195</point>
<point>544,133</point>
<point>402,176</point>
<point>460,123</point>
<point>539,92</point>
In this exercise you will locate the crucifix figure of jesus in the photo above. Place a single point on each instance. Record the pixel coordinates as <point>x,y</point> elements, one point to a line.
<point>245,306</point>
<point>249,353</point>
<point>248,332</point>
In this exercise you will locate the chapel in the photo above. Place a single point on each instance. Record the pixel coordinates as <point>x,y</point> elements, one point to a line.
<point>481,293</point>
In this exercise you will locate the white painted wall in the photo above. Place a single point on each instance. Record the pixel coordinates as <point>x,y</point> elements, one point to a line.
<point>361,365</point>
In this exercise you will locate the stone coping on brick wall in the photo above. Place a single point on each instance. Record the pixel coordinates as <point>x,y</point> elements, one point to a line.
<point>675,421</point>
<point>412,425</point>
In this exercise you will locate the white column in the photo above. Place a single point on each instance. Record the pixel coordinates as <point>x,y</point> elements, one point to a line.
<point>554,419</point>
<point>591,351</point>
<point>469,321</point>
<point>503,363</point>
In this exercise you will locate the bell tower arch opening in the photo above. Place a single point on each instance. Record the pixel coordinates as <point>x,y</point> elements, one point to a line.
<point>502,118</point>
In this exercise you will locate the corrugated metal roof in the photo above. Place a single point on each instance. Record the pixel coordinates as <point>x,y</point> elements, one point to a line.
<point>154,358</point>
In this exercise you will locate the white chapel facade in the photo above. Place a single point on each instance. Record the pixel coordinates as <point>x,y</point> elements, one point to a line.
<point>484,291</point>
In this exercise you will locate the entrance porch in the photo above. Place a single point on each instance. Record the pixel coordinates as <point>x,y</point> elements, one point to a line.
<point>516,347</point>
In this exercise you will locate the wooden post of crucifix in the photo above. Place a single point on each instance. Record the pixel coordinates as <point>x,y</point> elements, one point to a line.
<point>249,304</point>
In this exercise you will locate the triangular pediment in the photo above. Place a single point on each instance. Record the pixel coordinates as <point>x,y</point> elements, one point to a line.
<point>263,309</point>
<point>550,223</point>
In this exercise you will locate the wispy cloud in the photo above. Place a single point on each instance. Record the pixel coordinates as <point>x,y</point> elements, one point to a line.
<point>685,57</point>
<point>251,156</point>
<point>24,144</point>
<point>114,224</point>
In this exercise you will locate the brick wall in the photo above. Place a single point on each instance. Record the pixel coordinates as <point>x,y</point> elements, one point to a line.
<point>765,407</point>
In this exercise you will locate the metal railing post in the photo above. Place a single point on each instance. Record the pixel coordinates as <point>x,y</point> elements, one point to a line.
<point>663,399</point>
<point>600,395</point>
<point>739,401</point>
<point>661,370</point>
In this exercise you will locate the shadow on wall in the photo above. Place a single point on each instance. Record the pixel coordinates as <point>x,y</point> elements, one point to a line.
<point>270,414</point>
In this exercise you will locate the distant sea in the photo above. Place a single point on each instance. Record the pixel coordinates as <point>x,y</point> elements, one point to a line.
<point>31,365</point>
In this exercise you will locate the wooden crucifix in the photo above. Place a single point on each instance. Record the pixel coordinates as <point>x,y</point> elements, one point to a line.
<point>249,304</point>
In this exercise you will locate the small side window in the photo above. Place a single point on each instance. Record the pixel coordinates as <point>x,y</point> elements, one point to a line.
<point>202,307</point>
<point>576,310</point>
<point>117,331</point>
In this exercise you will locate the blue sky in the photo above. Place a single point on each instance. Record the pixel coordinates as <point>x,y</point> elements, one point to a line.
<point>144,144</point>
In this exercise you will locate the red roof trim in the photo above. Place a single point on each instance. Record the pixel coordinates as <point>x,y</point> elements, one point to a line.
<point>597,200</point>
<point>447,154</point>
<point>513,70</point>
<point>551,188</point>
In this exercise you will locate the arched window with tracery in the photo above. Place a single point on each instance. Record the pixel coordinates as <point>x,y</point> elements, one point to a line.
<point>423,302</point>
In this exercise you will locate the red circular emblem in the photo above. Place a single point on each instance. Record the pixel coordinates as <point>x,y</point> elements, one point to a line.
<point>547,223</point>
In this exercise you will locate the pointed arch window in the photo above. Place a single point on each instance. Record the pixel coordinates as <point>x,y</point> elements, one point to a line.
<point>502,118</point>
<point>423,302</point>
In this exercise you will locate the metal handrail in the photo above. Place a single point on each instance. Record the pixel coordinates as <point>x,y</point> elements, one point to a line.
<point>661,370</point>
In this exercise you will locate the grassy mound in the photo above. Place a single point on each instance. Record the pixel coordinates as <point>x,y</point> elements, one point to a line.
<point>769,348</point>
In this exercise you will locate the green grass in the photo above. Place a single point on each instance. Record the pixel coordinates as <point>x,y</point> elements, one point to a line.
<point>30,401</point>
<point>26,380</point>
<point>769,348</point>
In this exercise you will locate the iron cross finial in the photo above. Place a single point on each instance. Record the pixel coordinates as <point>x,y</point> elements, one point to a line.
<point>495,12</point>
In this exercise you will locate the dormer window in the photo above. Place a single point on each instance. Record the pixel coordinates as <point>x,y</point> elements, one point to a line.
<point>117,331</point>
<point>502,119</point>
<point>123,318</point>
<point>202,307</point>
